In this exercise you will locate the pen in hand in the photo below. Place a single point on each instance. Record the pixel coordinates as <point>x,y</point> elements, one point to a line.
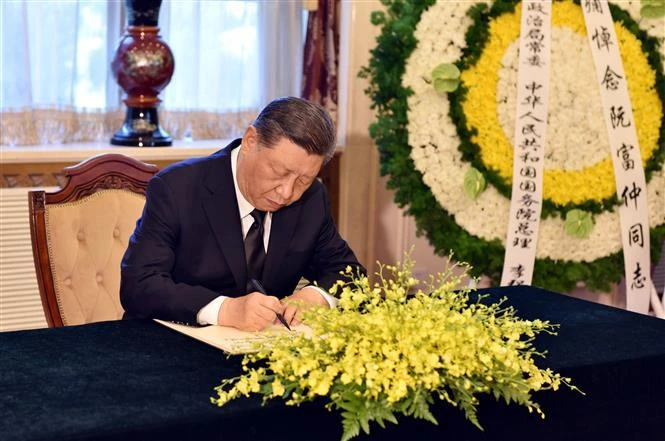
<point>262,290</point>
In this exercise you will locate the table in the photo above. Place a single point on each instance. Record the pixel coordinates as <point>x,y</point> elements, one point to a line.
<point>135,379</point>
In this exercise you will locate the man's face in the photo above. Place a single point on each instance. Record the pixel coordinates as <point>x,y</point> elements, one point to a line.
<point>273,177</point>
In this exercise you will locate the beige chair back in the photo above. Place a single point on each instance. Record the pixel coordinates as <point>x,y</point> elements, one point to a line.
<point>80,233</point>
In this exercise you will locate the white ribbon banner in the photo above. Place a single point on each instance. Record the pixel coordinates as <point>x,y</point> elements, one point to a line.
<point>529,144</point>
<point>628,169</point>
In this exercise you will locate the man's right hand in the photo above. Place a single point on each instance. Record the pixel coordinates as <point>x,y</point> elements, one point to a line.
<point>251,312</point>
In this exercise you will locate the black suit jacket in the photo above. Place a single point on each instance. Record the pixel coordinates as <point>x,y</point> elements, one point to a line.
<point>187,248</point>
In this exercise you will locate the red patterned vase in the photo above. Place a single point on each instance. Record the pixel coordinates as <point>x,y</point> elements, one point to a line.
<point>143,65</point>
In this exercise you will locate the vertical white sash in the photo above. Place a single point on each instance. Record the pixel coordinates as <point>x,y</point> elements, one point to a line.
<point>529,145</point>
<point>628,169</point>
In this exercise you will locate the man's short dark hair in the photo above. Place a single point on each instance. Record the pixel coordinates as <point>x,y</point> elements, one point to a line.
<point>303,122</point>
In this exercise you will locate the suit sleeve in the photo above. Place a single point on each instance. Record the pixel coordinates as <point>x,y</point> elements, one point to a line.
<point>147,288</point>
<point>331,254</point>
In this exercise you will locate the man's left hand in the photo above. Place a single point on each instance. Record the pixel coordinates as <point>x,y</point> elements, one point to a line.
<point>301,300</point>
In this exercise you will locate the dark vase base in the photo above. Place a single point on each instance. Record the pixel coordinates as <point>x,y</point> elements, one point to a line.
<point>152,142</point>
<point>141,129</point>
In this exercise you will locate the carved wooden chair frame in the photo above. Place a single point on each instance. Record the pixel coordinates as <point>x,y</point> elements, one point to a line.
<point>105,171</point>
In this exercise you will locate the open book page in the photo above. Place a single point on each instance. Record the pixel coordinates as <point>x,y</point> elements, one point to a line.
<point>233,340</point>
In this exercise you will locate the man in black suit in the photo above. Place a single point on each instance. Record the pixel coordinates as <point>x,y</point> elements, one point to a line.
<point>186,260</point>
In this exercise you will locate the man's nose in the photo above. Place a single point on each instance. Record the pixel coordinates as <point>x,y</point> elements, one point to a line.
<point>285,190</point>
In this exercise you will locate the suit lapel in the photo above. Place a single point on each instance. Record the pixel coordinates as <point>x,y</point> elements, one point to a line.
<point>283,227</point>
<point>221,208</point>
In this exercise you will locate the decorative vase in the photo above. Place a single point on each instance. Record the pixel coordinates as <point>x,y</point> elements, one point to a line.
<point>142,66</point>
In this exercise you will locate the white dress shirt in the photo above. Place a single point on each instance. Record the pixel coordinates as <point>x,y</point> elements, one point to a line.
<point>209,313</point>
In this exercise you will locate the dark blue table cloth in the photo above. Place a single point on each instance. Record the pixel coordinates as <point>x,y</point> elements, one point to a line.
<point>135,379</point>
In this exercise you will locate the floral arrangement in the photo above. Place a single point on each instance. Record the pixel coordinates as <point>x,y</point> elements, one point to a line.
<point>388,351</point>
<point>443,83</point>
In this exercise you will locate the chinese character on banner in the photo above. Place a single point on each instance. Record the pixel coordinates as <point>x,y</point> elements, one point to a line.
<point>593,6</point>
<point>533,101</point>
<point>603,39</point>
<point>536,7</point>
<point>529,129</point>
<point>532,143</point>
<point>528,185</point>
<point>631,194</point>
<point>624,153</point>
<point>535,34</point>
<point>525,214</point>
<point>617,114</point>
<point>529,114</point>
<point>611,79</point>
<point>527,156</point>
<point>517,271</point>
<point>534,20</point>
<point>635,235</point>
<point>535,61</point>
<point>522,242</point>
<point>528,172</point>
<point>524,229</point>
<point>533,88</point>
<point>527,200</point>
<point>638,278</point>
<point>535,46</point>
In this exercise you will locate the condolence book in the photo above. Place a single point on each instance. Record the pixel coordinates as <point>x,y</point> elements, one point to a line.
<point>232,340</point>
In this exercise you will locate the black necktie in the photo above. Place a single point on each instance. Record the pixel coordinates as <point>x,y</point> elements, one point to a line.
<point>255,254</point>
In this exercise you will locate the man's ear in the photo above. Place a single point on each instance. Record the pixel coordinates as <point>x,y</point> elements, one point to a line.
<point>250,139</point>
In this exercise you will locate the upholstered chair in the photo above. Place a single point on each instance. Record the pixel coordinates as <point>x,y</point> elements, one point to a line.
<point>80,233</point>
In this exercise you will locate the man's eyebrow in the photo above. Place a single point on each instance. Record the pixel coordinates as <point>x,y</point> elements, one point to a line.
<point>290,171</point>
<point>280,165</point>
<point>308,176</point>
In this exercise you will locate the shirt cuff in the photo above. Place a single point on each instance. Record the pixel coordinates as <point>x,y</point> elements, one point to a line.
<point>332,301</point>
<point>209,313</point>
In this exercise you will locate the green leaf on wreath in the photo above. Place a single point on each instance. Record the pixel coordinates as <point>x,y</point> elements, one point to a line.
<point>474,183</point>
<point>652,8</point>
<point>578,223</point>
<point>445,77</point>
<point>654,11</point>
<point>378,18</point>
